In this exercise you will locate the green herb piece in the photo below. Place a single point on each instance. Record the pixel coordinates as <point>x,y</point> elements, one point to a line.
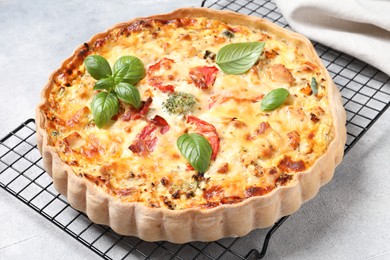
<point>98,67</point>
<point>104,106</point>
<point>209,55</point>
<point>128,70</point>
<point>196,149</point>
<point>121,72</point>
<point>179,103</point>
<point>313,86</point>
<point>129,94</point>
<point>274,99</point>
<point>104,83</point>
<point>228,34</point>
<point>238,58</point>
<point>54,133</point>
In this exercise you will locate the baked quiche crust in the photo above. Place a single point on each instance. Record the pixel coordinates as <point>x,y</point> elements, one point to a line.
<point>209,220</point>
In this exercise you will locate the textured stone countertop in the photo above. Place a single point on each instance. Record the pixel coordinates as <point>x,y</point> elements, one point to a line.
<point>349,219</point>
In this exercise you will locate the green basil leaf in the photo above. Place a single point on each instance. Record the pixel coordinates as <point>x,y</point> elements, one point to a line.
<point>121,73</point>
<point>104,83</point>
<point>104,106</point>
<point>196,149</point>
<point>238,58</point>
<point>313,86</point>
<point>135,69</point>
<point>98,66</point>
<point>274,99</point>
<point>129,94</point>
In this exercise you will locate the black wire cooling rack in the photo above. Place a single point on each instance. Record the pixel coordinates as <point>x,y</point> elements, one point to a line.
<point>366,95</point>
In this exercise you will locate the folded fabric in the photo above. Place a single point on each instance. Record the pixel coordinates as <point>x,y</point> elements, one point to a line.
<point>360,28</point>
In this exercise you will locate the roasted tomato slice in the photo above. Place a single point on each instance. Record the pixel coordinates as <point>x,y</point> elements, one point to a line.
<point>165,88</point>
<point>146,140</point>
<point>164,63</point>
<point>133,113</point>
<point>208,131</point>
<point>156,80</point>
<point>203,76</point>
<point>162,123</point>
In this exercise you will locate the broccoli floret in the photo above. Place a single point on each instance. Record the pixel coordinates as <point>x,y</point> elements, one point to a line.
<point>180,103</point>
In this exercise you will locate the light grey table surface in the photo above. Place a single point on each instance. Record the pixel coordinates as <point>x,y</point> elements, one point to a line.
<point>349,219</point>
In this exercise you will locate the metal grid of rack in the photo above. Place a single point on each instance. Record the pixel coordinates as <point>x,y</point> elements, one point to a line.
<point>366,95</point>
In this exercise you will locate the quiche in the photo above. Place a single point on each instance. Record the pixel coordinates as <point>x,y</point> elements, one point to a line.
<point>274,132</point>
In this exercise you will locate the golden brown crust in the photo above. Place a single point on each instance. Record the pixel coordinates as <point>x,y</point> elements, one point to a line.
<point>226,220</point>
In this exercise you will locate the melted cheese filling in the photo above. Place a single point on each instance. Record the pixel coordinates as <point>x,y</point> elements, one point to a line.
<point>258,150</point>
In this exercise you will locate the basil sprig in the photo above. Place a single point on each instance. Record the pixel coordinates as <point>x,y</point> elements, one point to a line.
<point>313,86</point>
<point>238,58</point>
<point>115,84</point>
<point>196,149</point>
<point>274,99</point>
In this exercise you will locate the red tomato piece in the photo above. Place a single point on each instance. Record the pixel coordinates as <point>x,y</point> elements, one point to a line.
<point>165,88</point>
<point>157,81</point>
<point>133,113</point>
<point>203,76</point>
<point>162,123</point>
<point>146,140</point>
<point>164,63</point>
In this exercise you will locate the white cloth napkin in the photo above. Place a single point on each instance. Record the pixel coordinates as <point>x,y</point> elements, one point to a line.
<point>360,28</point>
